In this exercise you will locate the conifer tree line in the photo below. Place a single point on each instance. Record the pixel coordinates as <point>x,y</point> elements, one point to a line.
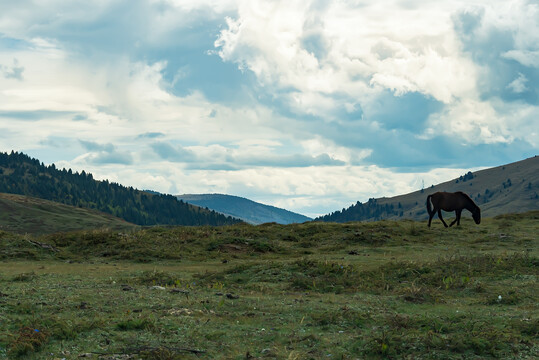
<point>21,174</point>
<point>363,211</point>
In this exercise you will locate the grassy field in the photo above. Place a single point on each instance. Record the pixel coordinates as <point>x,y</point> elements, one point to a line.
<point>25,214</point>
<point>309,291</point>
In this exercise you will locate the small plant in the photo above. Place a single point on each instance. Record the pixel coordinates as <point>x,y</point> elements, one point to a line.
<point>24,277</point>
<point>448,282</point>
<point>27,340</point>
<point>135,324</point>
<point>156,277</point>
<point>413,229</point>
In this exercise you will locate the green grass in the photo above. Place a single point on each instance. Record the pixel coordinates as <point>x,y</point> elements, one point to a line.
<point>28,215</point>
<point>308,291</point>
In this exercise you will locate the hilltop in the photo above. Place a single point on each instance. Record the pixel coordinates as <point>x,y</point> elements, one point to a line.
<point>23,214</point>
<point>247,210</point>
<point>21,174</point>
<point>509,188</point>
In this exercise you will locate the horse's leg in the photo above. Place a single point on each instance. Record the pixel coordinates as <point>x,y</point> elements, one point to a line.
<point>457,218</point>
<point>431,215</point>
<point>440,216</point>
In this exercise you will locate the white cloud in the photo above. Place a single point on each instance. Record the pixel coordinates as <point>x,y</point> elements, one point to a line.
<point>378,46</point>
<point>525,57</point>
<point>100,81</point>
<point>373,45</point>
<point>318,146</point>
<point>474,122</point>
<point>519,84</point>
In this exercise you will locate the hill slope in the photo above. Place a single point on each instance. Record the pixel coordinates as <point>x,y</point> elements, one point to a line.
<point>20,174</point>
<point>244,209</point>
<point>24,214</point>
<point>510,188</point>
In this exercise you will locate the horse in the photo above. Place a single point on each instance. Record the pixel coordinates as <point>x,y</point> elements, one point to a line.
<point>452,202</point>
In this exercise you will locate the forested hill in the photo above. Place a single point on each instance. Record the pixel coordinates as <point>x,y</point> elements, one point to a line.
<point>510,188</point>
<point>21,174</point>
<point>245,209</point>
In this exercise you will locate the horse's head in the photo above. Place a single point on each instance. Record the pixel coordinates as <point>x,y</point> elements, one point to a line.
<point>476,215</point>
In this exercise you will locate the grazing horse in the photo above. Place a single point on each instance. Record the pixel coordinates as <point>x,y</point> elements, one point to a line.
<point>452,202</point>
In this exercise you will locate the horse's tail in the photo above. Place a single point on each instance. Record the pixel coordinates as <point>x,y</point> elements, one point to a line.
<point>429,208</point>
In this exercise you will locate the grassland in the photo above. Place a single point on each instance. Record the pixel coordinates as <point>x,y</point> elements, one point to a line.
<point>389,289</point>
<point>29,215</point>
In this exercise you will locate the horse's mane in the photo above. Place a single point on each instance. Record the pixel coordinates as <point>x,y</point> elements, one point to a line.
<point>467,198</point>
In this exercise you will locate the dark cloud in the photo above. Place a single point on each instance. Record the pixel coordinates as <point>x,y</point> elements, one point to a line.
<point>34,115</point>
<point>93,146</point>
<point>173,153</point>
<point>151,135</point>
<point>114,157</point>
<point>408,112</point>
<point>80,117</point>
<point>297,160</point>
<point>105,154</point>
<point>212,166</point>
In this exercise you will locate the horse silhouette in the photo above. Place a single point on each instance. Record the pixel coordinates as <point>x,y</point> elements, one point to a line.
<point>452,202</point>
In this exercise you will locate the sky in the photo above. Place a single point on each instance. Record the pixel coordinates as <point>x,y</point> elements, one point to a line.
<point>305,105</point>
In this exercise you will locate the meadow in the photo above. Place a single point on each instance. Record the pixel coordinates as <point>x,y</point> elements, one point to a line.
<point>387,289</point>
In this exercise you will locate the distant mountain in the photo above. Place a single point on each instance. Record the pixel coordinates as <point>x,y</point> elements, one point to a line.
<point>20,174</point>
<point>510,188</point>
<point>24,214</point>
<point>244,209</point>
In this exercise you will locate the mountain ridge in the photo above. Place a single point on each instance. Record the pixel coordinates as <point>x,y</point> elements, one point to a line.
<point>245,209</point>
<point>509,188</point>
<point>21,174</point>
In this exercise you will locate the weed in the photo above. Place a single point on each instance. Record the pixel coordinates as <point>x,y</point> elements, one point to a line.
<point>154,277</point>
<point>136,323</point>
<point>24,277</point>
<point>27,340</point>
<point>344,317</point>
<point>323,276</point>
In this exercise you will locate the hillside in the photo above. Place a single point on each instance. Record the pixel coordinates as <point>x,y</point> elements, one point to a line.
<point>20,174</point>
<point>24,214</point>
<point>510,188</point>
<point>244,209</point>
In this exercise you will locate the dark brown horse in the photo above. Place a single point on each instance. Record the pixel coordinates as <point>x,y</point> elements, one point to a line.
<point>452,202</point>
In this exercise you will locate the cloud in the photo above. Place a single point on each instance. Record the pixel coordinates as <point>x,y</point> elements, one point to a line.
<point>322,66</point>
<point>104,154</point>
<point>218,157</point>
<point>94,146</point>
<point>519,84</point>
<point>524,57</point>
<point>151,135</point>
<point>297,160</point>
<point>116,157</point>
<point>473,122</point>
<point>32,115</point>
<point>354,61</point>
<point>311,105</point>
<point>171,153</point>
<point>12,72</point>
